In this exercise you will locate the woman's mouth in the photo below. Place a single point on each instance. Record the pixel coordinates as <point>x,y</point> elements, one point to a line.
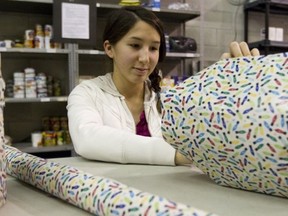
<point>141,70</point>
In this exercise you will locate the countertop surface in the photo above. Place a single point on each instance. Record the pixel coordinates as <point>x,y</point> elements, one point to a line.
<point>181,184</point>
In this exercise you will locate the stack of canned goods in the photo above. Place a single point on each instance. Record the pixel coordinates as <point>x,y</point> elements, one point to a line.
<point>18,87</point>
<point>40,37</point>
<point>30,83</point>
<point>55,131</point>
<point>41,83</point>
<point>9,91</point>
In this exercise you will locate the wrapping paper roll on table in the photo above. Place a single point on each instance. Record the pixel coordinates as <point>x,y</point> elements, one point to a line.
<point>231,120</point>
<point>98,195</point>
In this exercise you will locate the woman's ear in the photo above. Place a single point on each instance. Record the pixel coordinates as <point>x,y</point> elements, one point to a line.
<point>108,48</point>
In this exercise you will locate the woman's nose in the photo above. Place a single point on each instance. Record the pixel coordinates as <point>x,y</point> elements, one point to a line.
<point>144,55</point>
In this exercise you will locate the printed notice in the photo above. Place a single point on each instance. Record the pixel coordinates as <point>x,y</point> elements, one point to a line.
<point>75,21</point>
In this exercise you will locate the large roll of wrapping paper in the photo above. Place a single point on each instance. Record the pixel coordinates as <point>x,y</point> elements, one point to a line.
<point>231,120</point>
<point>3,188</point>
<point>98,195</point>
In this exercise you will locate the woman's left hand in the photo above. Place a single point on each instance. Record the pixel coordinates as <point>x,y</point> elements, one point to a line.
<point>240,49</point>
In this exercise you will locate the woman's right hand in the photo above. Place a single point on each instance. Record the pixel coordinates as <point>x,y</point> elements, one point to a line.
<point>240,49</point>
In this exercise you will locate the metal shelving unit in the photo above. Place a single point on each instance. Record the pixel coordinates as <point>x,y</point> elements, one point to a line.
<point>71,53</point>
<point>19,111</point>
<point>267,7</point>
<point>178,17</point>
<point>166,15</point>
<point>46,7</point>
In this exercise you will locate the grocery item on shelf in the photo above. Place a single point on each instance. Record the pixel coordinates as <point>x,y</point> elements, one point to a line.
<point>36,138</point>
<point>41,83</point>
<point>170,81</point>
<point>129,2</point>
<point>48,35</point>
<point>29,38</point>
<point>54,132</point>
<point>39,37</point>
<point>18,87</point>
<point>28,84</point>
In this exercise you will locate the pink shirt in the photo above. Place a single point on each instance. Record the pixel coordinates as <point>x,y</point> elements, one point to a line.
<point>142,126</point>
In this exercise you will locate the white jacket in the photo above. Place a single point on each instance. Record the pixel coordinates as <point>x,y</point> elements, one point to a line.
<point>102,127</point>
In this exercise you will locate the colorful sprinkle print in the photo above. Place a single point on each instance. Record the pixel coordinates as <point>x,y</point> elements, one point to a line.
<point>3,187</point>
<point>97,195</point>
<point>231,119</point>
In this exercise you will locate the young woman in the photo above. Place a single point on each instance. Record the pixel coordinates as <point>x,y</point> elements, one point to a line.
<point>116,117</point>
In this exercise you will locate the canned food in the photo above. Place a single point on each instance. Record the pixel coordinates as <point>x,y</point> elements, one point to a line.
<point>49,138</point>
<point>28,44</point>
<point>29,35</point>
<point>48,31</point>
<point>39,42</point>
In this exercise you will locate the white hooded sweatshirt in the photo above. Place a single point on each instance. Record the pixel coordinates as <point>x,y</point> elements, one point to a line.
<point>102,127</point>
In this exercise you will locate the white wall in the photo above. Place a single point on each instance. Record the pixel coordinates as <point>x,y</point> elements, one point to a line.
<point>220,23</point>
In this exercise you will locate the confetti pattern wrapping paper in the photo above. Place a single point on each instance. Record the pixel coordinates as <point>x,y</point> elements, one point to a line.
<point>98,195</point>
<point>3,188</point>
<point>231,119</point>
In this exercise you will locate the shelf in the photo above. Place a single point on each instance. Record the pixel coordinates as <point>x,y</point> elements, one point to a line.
<point>168,54</point>
<point>36,100</point>
<point>182,55</point>
<point>33,50</point>
<point>163,13</point>
<point>276,6</point>
<point>267,7</point>
<point>26,6</point>
<point>90,52</point>
<point>264,43</point>
<point>272,46</point>
<point>53,59</point>
<point>46,7</point>
<point>28,148</point>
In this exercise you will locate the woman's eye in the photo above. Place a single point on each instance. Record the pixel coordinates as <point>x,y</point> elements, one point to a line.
<point>154,48</point>
<point>135,45</point>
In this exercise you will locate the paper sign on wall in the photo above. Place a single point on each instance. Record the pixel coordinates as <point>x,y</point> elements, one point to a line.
<point>74,21</point>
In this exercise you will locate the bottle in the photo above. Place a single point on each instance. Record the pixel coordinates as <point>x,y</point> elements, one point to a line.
<point>39,37</point>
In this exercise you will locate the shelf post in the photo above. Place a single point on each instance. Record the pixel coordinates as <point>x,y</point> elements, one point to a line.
<point>73,66</point>
<point>267,12</point>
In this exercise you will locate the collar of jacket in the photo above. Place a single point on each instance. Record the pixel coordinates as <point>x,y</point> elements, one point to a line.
<point>106,83</point>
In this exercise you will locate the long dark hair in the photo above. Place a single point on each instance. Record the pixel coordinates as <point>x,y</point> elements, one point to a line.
<point>122,20</point>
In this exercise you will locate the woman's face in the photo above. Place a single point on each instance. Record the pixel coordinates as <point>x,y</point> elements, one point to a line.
<point>136,55</point>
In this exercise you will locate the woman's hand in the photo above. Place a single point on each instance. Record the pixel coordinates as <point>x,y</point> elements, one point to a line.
<point>240,49</point>
<point>181,160</point>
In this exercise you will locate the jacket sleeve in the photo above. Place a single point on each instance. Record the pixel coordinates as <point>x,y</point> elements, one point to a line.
<point>93,140</point>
